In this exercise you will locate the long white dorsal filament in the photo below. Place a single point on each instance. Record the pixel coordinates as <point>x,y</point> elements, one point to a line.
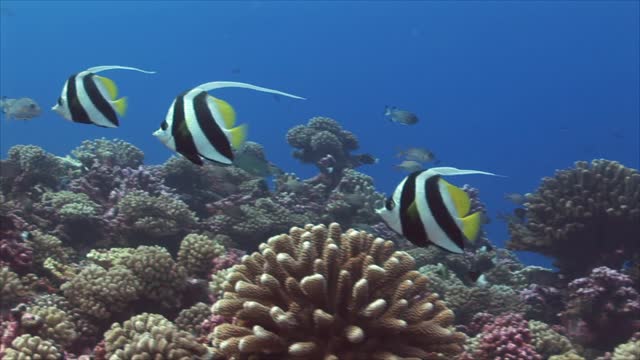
<point>232,84</point>
<point>96,69</point>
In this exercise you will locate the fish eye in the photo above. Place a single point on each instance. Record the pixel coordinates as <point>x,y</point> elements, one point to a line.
<point>164,125</point>
<point>390,204</point>
<point>33,106</point>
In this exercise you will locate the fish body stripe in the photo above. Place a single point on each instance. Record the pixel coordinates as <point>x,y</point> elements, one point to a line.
<point>98,100</point>
<point>181,134</point>
<point>210,128</point>
<point>76,110</point>
<point>412,227</point>
<point>440,213</point>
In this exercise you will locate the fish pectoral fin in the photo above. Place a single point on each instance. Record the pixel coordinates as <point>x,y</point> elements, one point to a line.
<point>471,226</point>
<point>226,110</point>
<point>120,105</point>
<point>238,135</point>
<point>459,197</point>
<point>412,211</point>
<point>111,87</point>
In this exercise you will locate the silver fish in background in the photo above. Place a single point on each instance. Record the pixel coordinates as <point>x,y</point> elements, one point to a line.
<point>417,154</point>
<point>516,198</point>
<point>20,109</point>
<point>426,209</point>
<point>91,99</point>
<point>409,166</point>
<point>199,126</point>
<point>400,116</point>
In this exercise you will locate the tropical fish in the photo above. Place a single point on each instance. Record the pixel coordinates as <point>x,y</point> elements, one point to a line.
<point>255,163</point>
<point>199,126</point>
<point>91,99</point>
<point>409,166</point>
<point>428,210</point>
<point>417,154</point>
<point>400,116</point>
<point>19,109</point>
<point>515,198</point>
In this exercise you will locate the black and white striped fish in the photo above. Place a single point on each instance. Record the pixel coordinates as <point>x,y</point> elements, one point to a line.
<point>91,99</point>
<point>199,126</point>
<point>426,209</point>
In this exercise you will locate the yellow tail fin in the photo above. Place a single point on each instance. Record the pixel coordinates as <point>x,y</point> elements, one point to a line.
<point>111,87</point>
<point>238,135</point>
<point>471,226</point>
<point>460,199</point>
<point>120,105</point>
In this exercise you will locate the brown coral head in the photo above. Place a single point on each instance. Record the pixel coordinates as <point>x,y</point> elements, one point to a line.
<point>318,293</point>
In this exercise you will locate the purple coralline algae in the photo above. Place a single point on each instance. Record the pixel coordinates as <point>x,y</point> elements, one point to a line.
<point>603,309</point>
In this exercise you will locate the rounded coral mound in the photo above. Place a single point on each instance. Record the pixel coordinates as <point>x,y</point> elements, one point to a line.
<point>317,293</point>
<point>593,207</point>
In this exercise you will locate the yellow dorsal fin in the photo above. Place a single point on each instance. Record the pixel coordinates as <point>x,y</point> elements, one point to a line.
<point>227,112</point>
<point>471,226</point>
<point>238,135</point>
<point>459,198</point>
<point>108,84</point>
<point>120,106</point>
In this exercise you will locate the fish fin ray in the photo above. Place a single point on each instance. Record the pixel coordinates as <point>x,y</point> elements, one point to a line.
<point>459,197</point>
<point>450,171</point>
<point>120,105</point>
<point>226,110</point>
<point>111,87</point>
<point>471,226</point>
<point>228,84</point>
<point>97,69</point>
<point>238,135</point>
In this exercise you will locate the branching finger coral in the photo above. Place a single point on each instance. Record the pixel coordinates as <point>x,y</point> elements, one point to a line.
<point>28,347</point>
<point>317,293</point>
<point>594,207</point>
<point>151,336</point>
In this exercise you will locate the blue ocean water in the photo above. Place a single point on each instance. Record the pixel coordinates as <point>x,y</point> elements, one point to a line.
<point>516,88</point>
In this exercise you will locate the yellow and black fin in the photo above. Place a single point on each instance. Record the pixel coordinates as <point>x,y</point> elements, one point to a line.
<point>459,198</point>
<point>226,111</point>
<point>471,226</point>
<point>120,105</point>
<point>108,84</point>
<point>238,135</point>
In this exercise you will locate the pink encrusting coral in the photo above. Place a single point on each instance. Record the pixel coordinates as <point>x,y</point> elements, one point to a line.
<point>603,309</point>
<point>507,337</point>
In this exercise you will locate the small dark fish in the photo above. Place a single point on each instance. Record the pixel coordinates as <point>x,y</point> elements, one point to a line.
<point>520,213</point>
<point>20,109</point>
<point>400,116</point>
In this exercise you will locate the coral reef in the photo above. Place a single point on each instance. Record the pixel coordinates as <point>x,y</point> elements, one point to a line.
<point>102,256</point>
<point>603,309</point>
<point>114,153</point>
<point>594,207</point>
<point>322,137</point>
<point>151,336</point>
<point>317,293</point>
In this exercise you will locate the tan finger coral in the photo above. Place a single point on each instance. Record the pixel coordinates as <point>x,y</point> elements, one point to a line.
<point>594,207</point>
<point>317,293</point>
<point>196,252</point>
<point>151,336</point>
<point>50,323</point>
<point>27,347</point>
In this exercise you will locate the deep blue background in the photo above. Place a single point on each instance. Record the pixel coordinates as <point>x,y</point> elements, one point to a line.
<point>517,88</point>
